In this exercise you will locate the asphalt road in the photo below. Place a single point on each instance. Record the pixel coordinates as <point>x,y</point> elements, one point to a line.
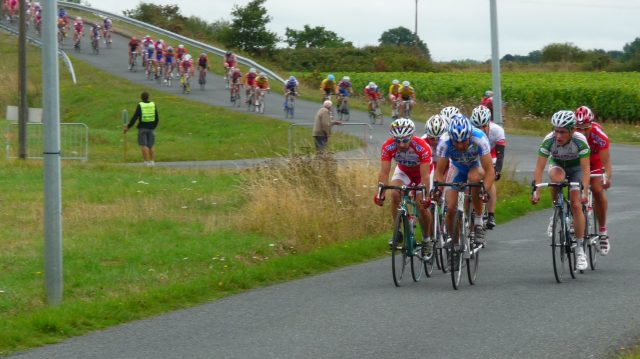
<point>516,309</point>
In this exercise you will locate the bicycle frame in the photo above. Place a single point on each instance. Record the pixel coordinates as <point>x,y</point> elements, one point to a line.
<point>407,207</point>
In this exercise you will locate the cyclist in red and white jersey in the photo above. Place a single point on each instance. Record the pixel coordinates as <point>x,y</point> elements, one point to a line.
<point>78,31</point>
<point>372,93</point>
<point>413,158</point>
<point>481,119</point>
<point>180,52</point>
<point>186,66</point>
<point>250,82</point>
<point>599,160</point>
<point>229,61</point>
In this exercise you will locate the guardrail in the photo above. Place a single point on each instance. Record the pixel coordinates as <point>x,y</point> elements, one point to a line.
<point>38,43</point>
<point>186,40</point>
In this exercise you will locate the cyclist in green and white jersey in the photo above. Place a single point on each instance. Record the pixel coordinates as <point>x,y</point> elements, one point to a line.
<point>568,153</point>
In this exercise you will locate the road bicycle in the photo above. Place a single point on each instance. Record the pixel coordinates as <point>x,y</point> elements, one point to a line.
<point>259,99</point>
<point>406,107</point>
<point>202,78</point>
<point>375,113</point>
<point>159,71</point>
<point>395,109</point>
<point>227,77</point>
<point>462,249</point>
<point>562,234</point>
<point>107,37</point>
<point>440,236</point>
<point>185,82</point>
<point>95,44</point>
<point>168,74</point>
<point>133,62</point>
<point>289,104</point>
<point>404,247</point>
<point>591,234</point>
<point>150,69</point>
<point>343,108</point>
<point>235,94</point>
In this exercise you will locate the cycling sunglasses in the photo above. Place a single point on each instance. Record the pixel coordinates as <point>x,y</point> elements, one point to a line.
<point>403,140</point>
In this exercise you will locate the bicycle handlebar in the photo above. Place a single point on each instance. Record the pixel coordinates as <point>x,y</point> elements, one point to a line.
<point>403,188</point>
<point>535,186</point>
<point>459,184</point>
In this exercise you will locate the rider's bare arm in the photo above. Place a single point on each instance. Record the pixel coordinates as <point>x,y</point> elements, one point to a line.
<point>586,176</point>
<point>441,165</point>
<point>489,174</point>
<point>537,176</point>
<point>606,163</point>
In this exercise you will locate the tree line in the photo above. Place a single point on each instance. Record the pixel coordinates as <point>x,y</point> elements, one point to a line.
<point>317,48</point>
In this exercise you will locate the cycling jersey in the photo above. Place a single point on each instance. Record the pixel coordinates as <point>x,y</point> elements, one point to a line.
<point>371,94</point>
<point>262,82</point>
<point>496,137</point>
<point>168,57</point>
<point>327,85</point>
<point>410,160</point>
<point>565,156</point>
<point>159,50</point>
<point>406,92</point>
<point>78,26</point>
<point>180,52</point>
<point>598,141</point>
<point>107,24</point>
<point>343,87</point>
<point>203,61</point>
<point>133,45</point>
<point>230,60</point>
<point>478,147</point>
<point>395,90</point>
<point>291,85</point>
<point>236,75</point>
<point>250,79</point>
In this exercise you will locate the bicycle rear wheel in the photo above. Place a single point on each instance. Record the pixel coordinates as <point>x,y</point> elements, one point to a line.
<point>417,266</point>
<point>428,258</point>
<point>591,233</point>
<point>399,258</point>
<point>561,259</point>
<point>472,264</point>
<point>456,259</point>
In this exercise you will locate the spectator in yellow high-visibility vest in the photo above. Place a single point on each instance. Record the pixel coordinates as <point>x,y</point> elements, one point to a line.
<point>147,113</point>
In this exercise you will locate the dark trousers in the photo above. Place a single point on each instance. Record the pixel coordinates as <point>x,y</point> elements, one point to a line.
<point>321,143</point>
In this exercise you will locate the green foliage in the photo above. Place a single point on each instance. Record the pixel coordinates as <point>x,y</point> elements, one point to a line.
<point>248,29</point>
<point>401,36</point>
<point>170,18</point>
<point>566,52</point>
<point>612,96</point>
<point>371,58</point>
<point>317,37</point>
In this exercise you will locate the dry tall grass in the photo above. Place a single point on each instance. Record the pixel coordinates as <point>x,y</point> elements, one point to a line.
<point>312,202</point>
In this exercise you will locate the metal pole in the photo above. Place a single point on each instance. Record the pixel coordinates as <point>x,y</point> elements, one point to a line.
<point>125,118</point>
<point>52,178</point>
<point>416,27</point>
<point>495,65</point>
<point>23,107</point>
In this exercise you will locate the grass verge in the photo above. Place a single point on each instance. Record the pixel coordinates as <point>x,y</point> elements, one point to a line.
<point>140,241</point>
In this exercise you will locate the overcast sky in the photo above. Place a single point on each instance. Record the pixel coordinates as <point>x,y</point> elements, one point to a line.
<point>452,29</point>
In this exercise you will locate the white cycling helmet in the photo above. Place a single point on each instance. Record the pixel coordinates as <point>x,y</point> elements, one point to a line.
<point>402,127</point>
<point>371,85</point>
<point>252,70</point>
<point>449,111</point>
<point>187,57</point>
<point>181,46</point>
<point>78,18</point>
<point>346,78</point>
<point>565,119</point>
<point>395,82</point>
<point>480,116</point>
<point>406,83</point>
<point>435,127</point>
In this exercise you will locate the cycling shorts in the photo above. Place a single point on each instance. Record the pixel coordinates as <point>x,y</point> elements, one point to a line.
<point>572,174</point>
<point>150,53</point>
<point>158,57</point>
<point>406,179</point>
<point>459,173</point>
<point>168,60</point>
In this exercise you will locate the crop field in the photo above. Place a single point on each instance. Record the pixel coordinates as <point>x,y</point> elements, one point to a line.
<point>612,96</point>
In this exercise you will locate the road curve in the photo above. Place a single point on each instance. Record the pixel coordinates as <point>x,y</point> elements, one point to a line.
<point>516,309</point>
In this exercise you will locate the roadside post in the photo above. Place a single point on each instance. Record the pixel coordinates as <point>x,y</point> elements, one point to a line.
<point>125,117</point>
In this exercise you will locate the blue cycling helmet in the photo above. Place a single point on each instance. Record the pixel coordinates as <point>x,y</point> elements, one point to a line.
<point>460,128</point>
<point>331,77</point>
<point>292,78</point>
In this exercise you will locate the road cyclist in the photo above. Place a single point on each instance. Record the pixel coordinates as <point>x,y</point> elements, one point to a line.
<point>408,97</point>
<point>159,48</point>
<point>328,87</point>
<point>567,151</point>
<point>413,160</point>
<point>203,66</point>
<point>95,38</point>
<point>147,55</point>
<point>236,83</point>
<point>290,93</point>
<point>345,90</point>
<point>600,165</point>
<point>107,27</point>
<point>249,85</point>
<point>78,32</point>
<point>169,65</point>
<point>230,62</point>
<point>481,119</point>
<point>467,153</point>
<point>373,97</point>
<point>134,51</point>
<point>186,70</point>
<point>394,98</point>
<point>262,87</point>
<point>180,52</point>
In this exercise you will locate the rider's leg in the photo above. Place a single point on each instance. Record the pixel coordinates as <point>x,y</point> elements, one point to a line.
<point>451,197</point>
<point>425,218</point>
<point>476,174</point>
<point>600,203</point>
<point>556,175</point>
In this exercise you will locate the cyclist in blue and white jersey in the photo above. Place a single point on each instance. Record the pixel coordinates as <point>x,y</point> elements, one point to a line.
<point>470,154</point>
<point>568,153</point>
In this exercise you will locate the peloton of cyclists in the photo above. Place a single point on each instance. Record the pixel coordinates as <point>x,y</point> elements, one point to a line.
<point>568,153</point>
<point>599,160</point>
<point>481,119</point>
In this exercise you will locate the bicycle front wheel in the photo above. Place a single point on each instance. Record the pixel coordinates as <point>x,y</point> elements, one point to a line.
<point>399,258</point>
<point>591,233</point>
<point>455,257</point>
<point>561,259</point>
<point>428,258</point>
<point>472,264</point>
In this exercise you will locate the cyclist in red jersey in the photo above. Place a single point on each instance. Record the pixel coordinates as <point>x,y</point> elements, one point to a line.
<point>134,47</point>
<point>599,160</point>
<point>250,82</point>
<point>413,157</point>
<point>229,60</point>
<point>180,52</point>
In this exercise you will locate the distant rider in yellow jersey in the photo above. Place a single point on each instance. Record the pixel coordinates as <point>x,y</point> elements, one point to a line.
<point>328,87</point>
<point>407,93</point>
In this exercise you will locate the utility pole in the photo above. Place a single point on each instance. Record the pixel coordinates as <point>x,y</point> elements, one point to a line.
<point>23,106</point>
<point>52,177</point>
<point>415,32</point>
<point>495,65</point>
